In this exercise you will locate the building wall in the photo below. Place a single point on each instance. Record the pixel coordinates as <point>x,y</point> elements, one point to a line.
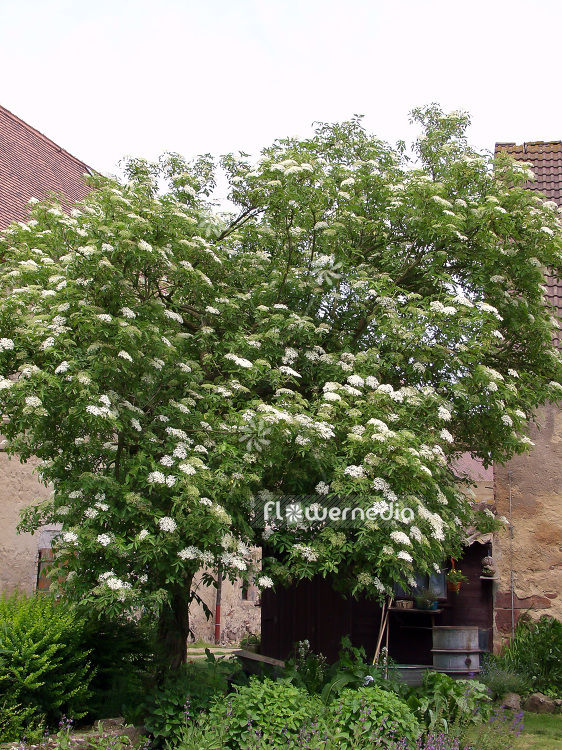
<point>18,552</point>
<point>536,497</point>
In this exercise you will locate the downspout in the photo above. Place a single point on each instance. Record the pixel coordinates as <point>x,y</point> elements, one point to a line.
<point>218,606</point>
<point>510,474</point>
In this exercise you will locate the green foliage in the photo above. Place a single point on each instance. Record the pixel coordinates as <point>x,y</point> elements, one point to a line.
<point>168,364</point>
<point>44,665</point>
<point>441,701</point>
<point>121,651</point>
<point>501,679</point>
<point>17,721</point>
<point>368,711</point>
<point>535,653</point>
<point>182,694</point>
<point>267,710</point>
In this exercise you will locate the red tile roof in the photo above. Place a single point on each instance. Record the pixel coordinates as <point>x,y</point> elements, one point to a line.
<point>545,158</point>
<point>31,165</point>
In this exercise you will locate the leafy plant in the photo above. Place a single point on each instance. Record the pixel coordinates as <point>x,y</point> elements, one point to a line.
<point>44,665</point>
<point>455,576</point>
<point>184,693</point>
<point>426,597</point>
<point>271,711</point>
<point>501,679</point>
<point>306,669</point>
<point>370,711</point>
<point>440,701</point>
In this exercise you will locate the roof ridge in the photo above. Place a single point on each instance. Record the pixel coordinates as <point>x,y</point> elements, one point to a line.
<point>58,148</point>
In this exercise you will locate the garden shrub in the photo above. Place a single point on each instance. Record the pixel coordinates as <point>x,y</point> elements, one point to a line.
<point>442,701</point>
<point>121,653</point>
<point>500,679</point>
<point>44,666</point>
<point>271,712</point>
<point>182,694</point>
<point>373,712</point>
<point>536,652</point>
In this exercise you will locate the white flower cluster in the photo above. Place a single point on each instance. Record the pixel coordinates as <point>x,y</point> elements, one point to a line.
<point>167,524</point>
<point>354,471</point>
<point>265,582</point>
<point>303,550</point>
<point>400,538</point>
<point>240,361</point>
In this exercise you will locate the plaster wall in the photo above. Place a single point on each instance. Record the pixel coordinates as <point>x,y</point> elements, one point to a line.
<point>535,480</point>
<point>19,488</point>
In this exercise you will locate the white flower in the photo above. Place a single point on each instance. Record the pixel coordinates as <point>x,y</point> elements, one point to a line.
<point>95,410</point>
<point>104,318</point>
<point>507,420</point>
<point>371,381</point>
<point>33,401</point>
<point>446,435</point>
<point>513,373</point>
<point>356,380</point>
<point>102,506</point>
<point>63,367</point>
<point>322,488</point>
<point>265,582</point>
<point>143,533</point>
<point>173,316</point>
<point>331,396</point>
<point>212,310</point>
<point>136,424</point>
<point>167,524</point>
<point>69,537</point>
<point>303,550</point>
<point>114,583</point>
<point>125,355</point>
<point>179,452</point>
<point>187,469</point>
<point>167,461</point>
<point>403,555</point>
<point>240,361</point>
<point>354,471</point>
<point>400,538</point>
<point>171,480</point>
<point>91,513</point>
<point>6,344</point>
<point>156,477</point>
<point>48,343</point>
<point>444,414</point>
<point>289,371</point>
<point>126,312</point>
<point>189,553</point>
<point>104,539</point>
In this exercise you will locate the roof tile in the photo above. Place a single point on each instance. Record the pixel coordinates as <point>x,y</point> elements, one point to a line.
<point>31,165</point>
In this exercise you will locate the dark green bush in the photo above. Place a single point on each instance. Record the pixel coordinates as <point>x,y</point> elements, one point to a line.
<point>44,667</point>
<point>272,712</point>
<point>182,694</point>
<point>122,654</point>
<point>536,653</point>
<point>371,711</point>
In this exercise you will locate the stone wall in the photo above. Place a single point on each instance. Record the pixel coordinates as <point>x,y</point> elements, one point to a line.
<point>19,552</point>
<point>536,496</point>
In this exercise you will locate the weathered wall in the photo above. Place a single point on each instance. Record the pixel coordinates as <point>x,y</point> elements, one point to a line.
<point>536,492</point>
<point>238,616</point>
<point>18,552</point>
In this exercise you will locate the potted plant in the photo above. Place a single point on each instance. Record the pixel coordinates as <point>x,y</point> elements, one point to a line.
<point>454,579</point>
<point>251,642</point>
<point>426,599</point>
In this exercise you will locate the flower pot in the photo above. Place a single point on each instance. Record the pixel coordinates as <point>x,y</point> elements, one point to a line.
<point>454,586</point>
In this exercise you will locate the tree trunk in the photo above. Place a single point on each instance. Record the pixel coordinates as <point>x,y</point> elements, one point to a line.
<point>173,626</point>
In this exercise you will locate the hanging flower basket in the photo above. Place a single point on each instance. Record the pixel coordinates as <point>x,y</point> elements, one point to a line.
<point>454,578</point>
<point>454,586</point>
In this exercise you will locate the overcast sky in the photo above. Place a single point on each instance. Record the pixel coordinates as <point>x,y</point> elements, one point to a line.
<point>104,78</point>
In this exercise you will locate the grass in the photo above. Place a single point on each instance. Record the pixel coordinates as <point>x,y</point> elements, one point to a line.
<point>541,732</point>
